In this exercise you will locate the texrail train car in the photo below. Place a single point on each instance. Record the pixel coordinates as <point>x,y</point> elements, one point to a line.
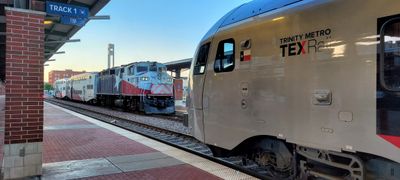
<point>143,86</point>
<point>83,87</point>
<point>306,88</point>
<point>60,88</point>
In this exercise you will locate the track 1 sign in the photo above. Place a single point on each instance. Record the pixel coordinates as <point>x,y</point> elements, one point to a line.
<point>62,9</point>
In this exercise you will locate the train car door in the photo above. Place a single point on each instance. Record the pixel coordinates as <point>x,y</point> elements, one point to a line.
<point>198,77</point>
<point>221,95</point>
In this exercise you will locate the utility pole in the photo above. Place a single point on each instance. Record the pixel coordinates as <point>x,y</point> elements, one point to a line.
<point>111,55</point>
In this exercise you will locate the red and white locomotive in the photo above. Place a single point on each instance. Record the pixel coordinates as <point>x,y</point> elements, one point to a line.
<point>141,86</point>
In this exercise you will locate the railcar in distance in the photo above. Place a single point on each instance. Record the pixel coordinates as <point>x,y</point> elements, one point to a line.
<point>141,86</point>
<point>83,87</point>
<point>60,88</point>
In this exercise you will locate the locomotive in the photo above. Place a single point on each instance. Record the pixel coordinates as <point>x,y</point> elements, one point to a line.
<point>305,88</point>
<point>143,86</point>
<point>139,86</point>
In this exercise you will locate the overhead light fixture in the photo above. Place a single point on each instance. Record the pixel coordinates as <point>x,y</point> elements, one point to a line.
<point>47,22</point>
<point>63,41</point>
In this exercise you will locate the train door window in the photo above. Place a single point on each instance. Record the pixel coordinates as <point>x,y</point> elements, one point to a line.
<point>390,56</point>
<point>132,70</point>
<point>201,61</point>
<point>225,59</point>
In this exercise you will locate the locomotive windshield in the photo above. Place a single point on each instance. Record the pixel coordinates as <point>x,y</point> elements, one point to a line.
<point>153,67</point>
<point>141,69</point>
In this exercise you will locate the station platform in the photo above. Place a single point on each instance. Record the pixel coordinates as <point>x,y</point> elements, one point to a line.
<point>79,147</point>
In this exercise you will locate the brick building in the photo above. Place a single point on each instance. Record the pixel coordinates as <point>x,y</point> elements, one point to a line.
<point>56,74</point>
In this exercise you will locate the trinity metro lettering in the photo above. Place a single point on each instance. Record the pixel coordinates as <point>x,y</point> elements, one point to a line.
<point>302,47</point>
<point>301,44</point>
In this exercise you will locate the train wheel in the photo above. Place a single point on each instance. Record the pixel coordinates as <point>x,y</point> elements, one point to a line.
<point>274,155</point>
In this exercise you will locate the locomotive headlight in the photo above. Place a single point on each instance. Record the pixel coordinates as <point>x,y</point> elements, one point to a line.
<point>169,79</point>
<point>144,78</point>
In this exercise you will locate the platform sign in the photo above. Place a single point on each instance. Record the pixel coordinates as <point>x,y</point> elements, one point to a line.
<point>73,20</point>
<point>62,9</point>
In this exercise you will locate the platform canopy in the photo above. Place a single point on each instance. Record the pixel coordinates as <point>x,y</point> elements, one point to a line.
<point>57,33</point>
<point>179,64</point>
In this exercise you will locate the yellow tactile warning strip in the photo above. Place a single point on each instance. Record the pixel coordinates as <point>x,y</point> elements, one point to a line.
<point>196,161</point>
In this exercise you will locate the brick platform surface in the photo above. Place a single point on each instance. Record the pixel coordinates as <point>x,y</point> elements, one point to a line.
<point>85,143</point>
<point>55,116</point>
<point>183,172</point>
<point>77,147</point>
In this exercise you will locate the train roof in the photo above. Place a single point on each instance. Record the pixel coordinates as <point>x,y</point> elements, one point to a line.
<point>247,11</point>
<point>141,62</point>
<point>82,76</point>
<point>134,63</point>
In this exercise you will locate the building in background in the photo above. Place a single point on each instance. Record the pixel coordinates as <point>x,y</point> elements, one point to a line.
<point>56,74</point>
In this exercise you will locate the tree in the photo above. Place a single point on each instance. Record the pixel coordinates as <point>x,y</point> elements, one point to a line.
<point>48,86</point>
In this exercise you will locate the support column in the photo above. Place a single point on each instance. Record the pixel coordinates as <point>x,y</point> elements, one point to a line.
<point>178,73</point>
<point>24,93</point>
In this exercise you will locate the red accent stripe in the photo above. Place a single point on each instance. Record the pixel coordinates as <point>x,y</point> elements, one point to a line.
<point>395,140</point>
<point>130,89</point>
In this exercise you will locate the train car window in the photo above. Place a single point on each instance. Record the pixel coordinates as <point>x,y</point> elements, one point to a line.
<point>225,59</point>
<point>141,69</point>
<point>201,61</point>
<point>390,66</point>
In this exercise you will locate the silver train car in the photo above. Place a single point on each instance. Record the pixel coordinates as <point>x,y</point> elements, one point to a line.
<point>60,88</point>
<point>305,88</point>
<point>83,87</point>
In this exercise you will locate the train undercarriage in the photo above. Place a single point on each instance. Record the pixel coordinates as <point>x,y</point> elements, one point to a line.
<point>290,161</point>
<point>147,104</point>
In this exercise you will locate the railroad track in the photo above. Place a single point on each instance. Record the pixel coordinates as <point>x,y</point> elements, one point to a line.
<point>179,140</point>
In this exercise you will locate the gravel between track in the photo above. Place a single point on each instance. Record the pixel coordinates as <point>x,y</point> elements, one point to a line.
<point>163,123</point>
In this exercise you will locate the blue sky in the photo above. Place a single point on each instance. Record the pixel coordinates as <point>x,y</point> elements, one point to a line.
<point>159,30</point>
